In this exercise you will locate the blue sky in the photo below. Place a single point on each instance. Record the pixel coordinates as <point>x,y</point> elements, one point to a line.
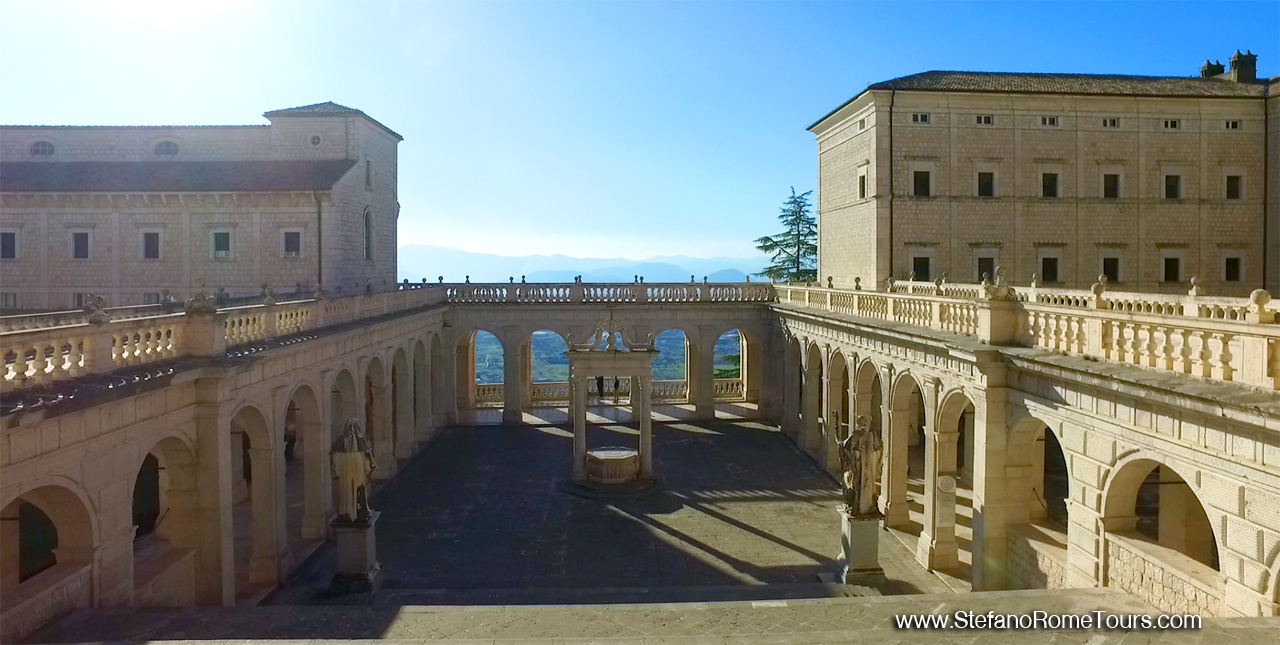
<point>603,129</point>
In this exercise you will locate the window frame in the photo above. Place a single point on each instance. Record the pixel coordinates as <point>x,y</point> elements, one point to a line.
<point>1164,188</point>
<point>213,244</point>
<point>17,244</point>
<point>1178,254</point>
<point>155,149</point>
<point>147,295</point>
<point>985,120</point>
<point>1049,121</point>
<point>9,295</point>
<point>142,243</point>
<point>1111,123</point>
<point>928,266</point>
<point>1173,124</point>
<point>368,173</point>
<point>1057,184</point>
<point>862,184</point>
<point>1109,253</point>
<point>977,189</point>
<point>284,242</point>
<point>51,147</point>
<point>1226,188</point>
<point>315,140</point>
<point>1239,258</point>
<point>1232,125</point>
<point>921,118</point>
<point>367,230</point>
<point>915,182</point>
<point>71,243</point>
<point>1119,185</point>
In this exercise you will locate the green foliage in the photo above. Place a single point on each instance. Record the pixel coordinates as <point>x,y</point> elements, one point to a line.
<point>794,251</point>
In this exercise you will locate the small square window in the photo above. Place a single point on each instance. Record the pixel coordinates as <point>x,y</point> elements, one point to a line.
<point>985,119</point>
<point>80,245</point>
<point>862,124</point>
<point>1232,124</point>
<point>1173,186</point>
<point>986,269</point>
<point>1111,186</point>
<point>151,298</point>
<point>1048,269</point>
<point>1172,270</point>
<point>1233,186</point>
<point>1111,122</point>
<point>222,244</point>
<point>1231,269</point>
<point>1049,121</point>
<point>1172,124</point>
<point>986,184</point>
<point>8,301</point>
<point>79,300</point>
<point>151,245</point>
<point>920,117</point>
<point>1111,268</point>
<point>920,266</point>
<point>9,245</point>
<point>921,187</point>
<point>1049,184</point>
<point>862,186</point>
<point>292,244</point>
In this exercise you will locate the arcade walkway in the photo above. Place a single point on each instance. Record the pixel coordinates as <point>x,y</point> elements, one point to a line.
<point>479,518</point>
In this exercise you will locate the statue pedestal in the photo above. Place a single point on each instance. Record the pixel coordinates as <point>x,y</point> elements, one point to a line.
<point>859,550</point>
<point>358,568</point>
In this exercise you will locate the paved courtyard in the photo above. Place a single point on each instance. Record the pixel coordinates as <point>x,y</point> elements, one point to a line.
<point>480,513</point>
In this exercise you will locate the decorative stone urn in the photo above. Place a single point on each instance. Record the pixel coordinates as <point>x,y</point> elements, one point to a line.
<point>613,465</point>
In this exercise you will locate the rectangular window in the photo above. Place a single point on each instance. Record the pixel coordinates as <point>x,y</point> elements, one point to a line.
<point>1049,121</point>
<point>986,184</point>
<point>368,173</point>
<point>862,124</point>
<point>921,183</point>
<point>1231,269</point>
<point>920,266</point>
<point>1173,186</point>
<point>1111,269</point>
<point>986,269</point>
<point>1048,269</point>
<point>985,119</point>
<point>920,117</point>
<point>1111,186</point>
<point>78,300</point>
<point>9,245</point>
<point>1049,184</point>
<point>1233,186</point>
<point>80,245</point>
<point>1233,124</point>
<point>292,244</point>
<point>1111,122</point>
<point>151,246</point>
<point>1172,270</point>
<point>151,298</point>
<point>222,244</point>
<point>1172,124</point>
<point>8,301</point>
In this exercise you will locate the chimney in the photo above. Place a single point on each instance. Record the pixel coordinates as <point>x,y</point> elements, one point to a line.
<point>1244,67</point>
<point>1209,70</point>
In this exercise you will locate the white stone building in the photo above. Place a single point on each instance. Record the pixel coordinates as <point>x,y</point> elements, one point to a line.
<point>1149,180</point>
<point>132,212</point>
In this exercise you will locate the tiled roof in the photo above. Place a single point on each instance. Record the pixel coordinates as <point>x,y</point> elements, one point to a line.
<point>170,176</point>
<point>1080,84</point>
<point>328,108</point>
<point>1190,86</point>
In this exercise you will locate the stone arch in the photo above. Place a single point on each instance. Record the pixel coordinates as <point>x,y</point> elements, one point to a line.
<point>1153,515</point>
<point>811,435</point>
<point>674,382</point>
<point>175,524</point>
<point>792,386</point>
<point>261,554</point>
<point>305,418</point>
<point>344,400</point>
<point>422,391</point>
<point>545,368</point>
<point>868,390</point>
<point>1037,491</point>
<point>439,396</point>
<point>401,393</point>
<point>751,367</point>
<point>904,449</point>
<point>836,414</point>
<point>377,410</point>
<point>955,412</point>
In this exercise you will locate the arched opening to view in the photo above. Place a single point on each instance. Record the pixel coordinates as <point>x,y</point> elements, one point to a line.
<point>1037,543</point>
<point>47,541</point>
<point>670,368</point>
<point>166,535</point>
<point>548,369</point>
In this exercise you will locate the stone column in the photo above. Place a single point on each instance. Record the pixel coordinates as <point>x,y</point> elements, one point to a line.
<point>640,389</point>
<point>9,560</point>
<point>404,413</point>
<point>894,479</point>
<point>992,501</point>
<point>701,370</point>
<point>272,559</point>
<point>526,373</point>
<point>790,383</point>
<point>578,407</point>
<point>377,427</point>
<point>448,381</point>
<point>937,546</point>
<point>315,465</point>
<point>810,431</point>
<point>215,557</point>
<point>512,378</point>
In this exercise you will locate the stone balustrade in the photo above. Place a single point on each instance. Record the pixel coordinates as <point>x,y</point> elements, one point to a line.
<point>601,293</point>
<point>1224,339</point>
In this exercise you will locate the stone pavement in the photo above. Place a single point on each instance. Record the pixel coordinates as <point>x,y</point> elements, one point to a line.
<point>481,509</point>
<point>840,620</point>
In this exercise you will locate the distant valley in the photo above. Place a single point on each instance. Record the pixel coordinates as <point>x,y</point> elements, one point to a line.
<point>418,261</point>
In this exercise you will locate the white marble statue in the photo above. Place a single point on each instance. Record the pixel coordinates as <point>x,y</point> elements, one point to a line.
<point>351,458</point>
<point>859,465</point>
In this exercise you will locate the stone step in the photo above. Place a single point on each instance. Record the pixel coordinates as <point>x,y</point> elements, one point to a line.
<point>601,596</point>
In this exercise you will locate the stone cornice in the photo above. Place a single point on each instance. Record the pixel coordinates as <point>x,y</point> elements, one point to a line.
<point>160,201</point>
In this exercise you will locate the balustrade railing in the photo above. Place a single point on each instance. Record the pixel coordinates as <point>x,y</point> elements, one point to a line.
<point>597,293</point>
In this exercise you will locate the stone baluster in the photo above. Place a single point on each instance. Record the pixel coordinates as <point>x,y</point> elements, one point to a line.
<point>1203,366</point>
<point>1182,360</point>
<point>40,365</point>
<point>1165,349</point>
<point>1222,368</point>
<point>1147,346</point>
<point>74,356</point>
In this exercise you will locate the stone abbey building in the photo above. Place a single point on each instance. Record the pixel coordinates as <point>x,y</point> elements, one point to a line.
<point>132,213</point>
<point>1062,433</point>
<point>1151,181</point>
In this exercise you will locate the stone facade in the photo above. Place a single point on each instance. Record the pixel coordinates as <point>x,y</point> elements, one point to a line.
<point>984,153</point>
<point>327,214</point>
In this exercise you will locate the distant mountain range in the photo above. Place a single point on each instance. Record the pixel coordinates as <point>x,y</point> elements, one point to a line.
<point>418,261</point>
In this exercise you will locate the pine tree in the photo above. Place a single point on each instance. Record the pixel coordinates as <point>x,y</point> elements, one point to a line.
<point>794,252</point>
